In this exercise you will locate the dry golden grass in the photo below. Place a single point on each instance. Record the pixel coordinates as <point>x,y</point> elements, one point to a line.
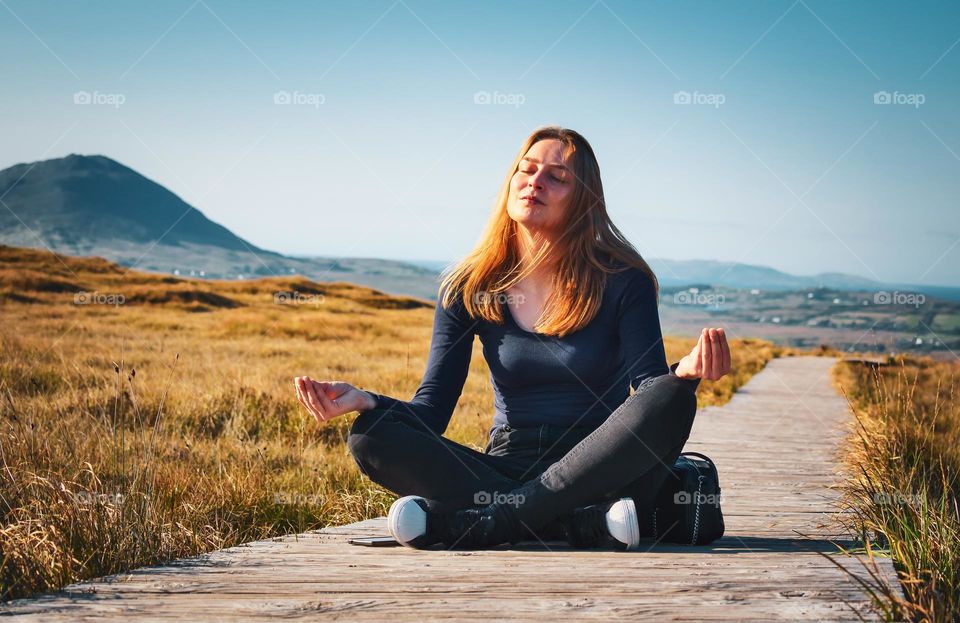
<point>904,489</point>
<point>168,425</point>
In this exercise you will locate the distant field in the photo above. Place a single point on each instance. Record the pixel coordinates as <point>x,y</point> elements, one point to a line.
<point>146,417</point>
<point>847,320</point>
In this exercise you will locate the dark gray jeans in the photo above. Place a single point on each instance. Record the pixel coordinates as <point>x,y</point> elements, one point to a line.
<point>538,473</point>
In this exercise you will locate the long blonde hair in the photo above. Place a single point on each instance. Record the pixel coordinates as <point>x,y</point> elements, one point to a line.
<point>590,248</point>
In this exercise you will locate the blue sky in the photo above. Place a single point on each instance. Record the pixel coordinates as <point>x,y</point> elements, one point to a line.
<point>404,115</point>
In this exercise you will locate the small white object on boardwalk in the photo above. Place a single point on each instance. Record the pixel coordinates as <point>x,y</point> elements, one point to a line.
<point>775,445</point>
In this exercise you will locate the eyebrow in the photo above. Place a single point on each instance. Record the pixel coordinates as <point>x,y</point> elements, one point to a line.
<point>549,164</point>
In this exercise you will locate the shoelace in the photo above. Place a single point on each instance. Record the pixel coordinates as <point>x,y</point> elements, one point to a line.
<point>587,526</point>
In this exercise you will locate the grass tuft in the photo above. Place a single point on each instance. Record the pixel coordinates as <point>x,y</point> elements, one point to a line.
<point>904,484</point>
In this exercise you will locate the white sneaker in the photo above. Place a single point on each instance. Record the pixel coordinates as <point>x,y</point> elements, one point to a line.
<point>615,523</point>
<point>407,521</point>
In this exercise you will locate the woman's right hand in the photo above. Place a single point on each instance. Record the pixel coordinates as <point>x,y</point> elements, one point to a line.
<point>326,400</point>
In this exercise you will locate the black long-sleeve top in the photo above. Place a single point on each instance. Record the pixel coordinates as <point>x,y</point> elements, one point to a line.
<point>577,380</point>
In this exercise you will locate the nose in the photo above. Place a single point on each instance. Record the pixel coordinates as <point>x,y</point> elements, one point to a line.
<point>534,180</point>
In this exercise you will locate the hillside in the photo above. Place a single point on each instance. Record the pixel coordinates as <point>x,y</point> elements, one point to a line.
<point>35,276</point>
<point>80,202</point>
<point>93,205</point>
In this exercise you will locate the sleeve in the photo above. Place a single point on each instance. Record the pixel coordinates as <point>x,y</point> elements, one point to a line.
<point>641,340</point>
<point>448,363</point>
<point>694,383</point>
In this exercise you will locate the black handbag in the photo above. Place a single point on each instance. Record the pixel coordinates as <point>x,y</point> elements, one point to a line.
<point>687,510</point>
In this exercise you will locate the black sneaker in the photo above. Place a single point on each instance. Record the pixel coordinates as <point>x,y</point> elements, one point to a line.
<point>412,523</point>
<point>609,523</point>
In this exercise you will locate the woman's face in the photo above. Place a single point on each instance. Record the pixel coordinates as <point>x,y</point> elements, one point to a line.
<point>541,188</point>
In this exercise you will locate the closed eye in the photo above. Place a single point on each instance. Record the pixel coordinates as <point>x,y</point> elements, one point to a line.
<point>531,171</point>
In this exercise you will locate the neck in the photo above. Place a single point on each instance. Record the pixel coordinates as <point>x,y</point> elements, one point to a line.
<point>530,242</point>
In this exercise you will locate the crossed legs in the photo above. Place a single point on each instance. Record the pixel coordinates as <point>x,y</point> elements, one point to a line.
<point>630,454</point>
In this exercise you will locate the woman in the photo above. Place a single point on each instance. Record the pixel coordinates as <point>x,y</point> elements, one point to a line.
<point>566,310</point>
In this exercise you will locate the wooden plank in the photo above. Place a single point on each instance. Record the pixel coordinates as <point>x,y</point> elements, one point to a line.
<point>775,445</point>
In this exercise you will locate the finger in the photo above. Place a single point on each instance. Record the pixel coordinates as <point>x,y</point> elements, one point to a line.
<point>329,408</point>
<point>296,386</point>
<point>716,359</point>
<point>302,397</point>
<point>704,354</point>
<point>697,354</point>
<point>724,351</point>
<point>304,400</point>
<point>313,400</point>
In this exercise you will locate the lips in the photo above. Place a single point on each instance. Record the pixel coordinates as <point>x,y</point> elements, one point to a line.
<point>531,199</point>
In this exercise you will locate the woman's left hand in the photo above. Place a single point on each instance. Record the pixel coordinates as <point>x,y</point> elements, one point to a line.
<point>709,359</point>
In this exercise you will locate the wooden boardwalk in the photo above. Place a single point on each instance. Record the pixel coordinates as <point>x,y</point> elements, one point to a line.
<point>775,446</point>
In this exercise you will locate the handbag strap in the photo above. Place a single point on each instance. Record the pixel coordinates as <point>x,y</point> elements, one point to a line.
<point>700,456</point>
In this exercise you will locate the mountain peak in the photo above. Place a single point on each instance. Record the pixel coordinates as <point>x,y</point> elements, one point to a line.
<point>86,199</point>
